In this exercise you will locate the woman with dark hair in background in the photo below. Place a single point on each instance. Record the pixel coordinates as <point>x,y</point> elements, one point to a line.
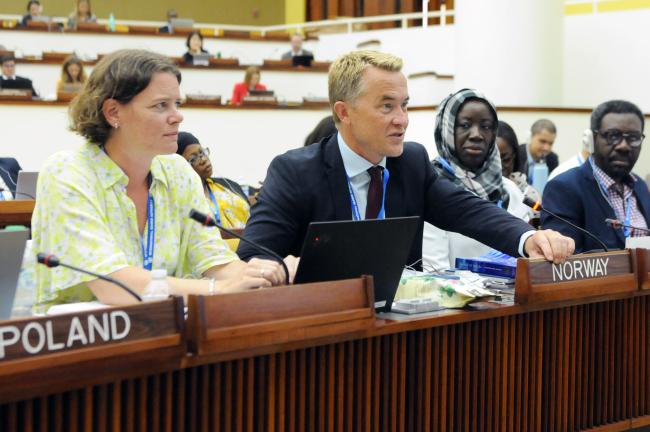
<point>72,75</point>
<point>465,133</point>
<point>228,202</point>
<point>119,204</point>
<point>251,82</point>
<point>33,10</point>
<point>194,44</point>
<point>509,152</point>
<point>325,128</point>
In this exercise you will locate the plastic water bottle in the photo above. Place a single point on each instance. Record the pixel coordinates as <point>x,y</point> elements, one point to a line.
<point>157,289</point>
<point>540,176</point>
<point>111,22</point>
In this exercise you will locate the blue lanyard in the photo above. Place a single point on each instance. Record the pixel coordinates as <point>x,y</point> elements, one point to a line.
<point>217,214</point>
<point>355,207</point>
<point>627,206</point>
<point>147,251</point>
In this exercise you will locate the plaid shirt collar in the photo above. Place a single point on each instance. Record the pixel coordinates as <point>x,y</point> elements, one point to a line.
<point>609,183</point>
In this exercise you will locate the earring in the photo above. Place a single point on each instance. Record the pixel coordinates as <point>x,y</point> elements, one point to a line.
<point>116,125</point>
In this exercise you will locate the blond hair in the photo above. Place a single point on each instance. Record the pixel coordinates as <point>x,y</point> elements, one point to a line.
<point>250,71</point>
<point>344,77</point>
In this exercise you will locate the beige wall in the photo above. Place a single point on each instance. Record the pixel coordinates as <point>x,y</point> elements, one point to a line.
<point>245,12</point>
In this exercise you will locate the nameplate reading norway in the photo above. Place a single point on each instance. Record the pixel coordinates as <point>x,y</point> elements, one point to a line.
<point>580,276</point>
<point>43,336</point>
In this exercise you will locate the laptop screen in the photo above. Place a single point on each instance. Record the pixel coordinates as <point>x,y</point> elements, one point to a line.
<point>348,249</point>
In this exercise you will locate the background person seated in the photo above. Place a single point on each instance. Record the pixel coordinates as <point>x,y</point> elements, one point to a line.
<point>604,186</point>
<point>72,75</point>
<point>81,14</point>
<point>509,152</point>
<point>10,80</point>
<point>9,168</point>
<point>227,200</point>
<point>168,28</point>
<point>296,48</point>
<point>465,134</point>
<point>251,82</point>
<point>538,152</point>
<point>34,10</point>
<point>587,147</point>
<point>194,44</point>
<point>324,129</point>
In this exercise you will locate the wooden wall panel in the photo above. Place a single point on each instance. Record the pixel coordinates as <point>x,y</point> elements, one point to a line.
<point>571,368</point>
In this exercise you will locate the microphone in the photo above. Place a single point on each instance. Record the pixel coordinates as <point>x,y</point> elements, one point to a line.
<point>206,220</point>
<point>51,261</point>
<point>617,224</point>
<point>536,205</point>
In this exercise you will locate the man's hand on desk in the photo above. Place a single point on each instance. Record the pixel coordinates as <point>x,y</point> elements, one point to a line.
<point>550,245</point>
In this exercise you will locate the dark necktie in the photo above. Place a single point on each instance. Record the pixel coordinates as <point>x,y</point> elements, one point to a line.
<point>375,192</point>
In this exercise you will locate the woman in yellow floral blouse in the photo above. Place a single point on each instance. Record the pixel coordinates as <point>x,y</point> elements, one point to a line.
<point>119,205</point>
<point>225,197</point>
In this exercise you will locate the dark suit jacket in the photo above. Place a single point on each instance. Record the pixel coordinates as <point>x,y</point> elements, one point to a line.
<point>18,83</point>
<point>551,160</point>
<point>309,184</point>
<point>289,54</point>
<point>575,196</point>
<point>9,168</point>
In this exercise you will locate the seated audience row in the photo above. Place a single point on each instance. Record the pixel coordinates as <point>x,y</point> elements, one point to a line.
<point>118,205</point>
<point>81,14</point>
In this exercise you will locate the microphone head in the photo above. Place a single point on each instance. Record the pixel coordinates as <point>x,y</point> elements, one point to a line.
<point>535,205</point>
<point>48,260</point>
<point>201,218</point>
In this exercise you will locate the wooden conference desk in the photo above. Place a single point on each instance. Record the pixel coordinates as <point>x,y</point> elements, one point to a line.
<point>573,365</point>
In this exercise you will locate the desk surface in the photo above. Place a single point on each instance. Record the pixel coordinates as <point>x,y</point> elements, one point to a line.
<point>566,366</point>
<point>16,212</point>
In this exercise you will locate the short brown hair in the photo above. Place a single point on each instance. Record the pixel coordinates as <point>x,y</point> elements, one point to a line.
<point>344,77</point>
<point>121,75</point>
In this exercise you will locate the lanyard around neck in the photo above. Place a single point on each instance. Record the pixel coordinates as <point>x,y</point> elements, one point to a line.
<point>353,200</point>
<point>147,250</point>
<point>217,213</point>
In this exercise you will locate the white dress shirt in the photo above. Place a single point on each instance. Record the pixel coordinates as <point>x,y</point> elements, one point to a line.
<point>356,167</point>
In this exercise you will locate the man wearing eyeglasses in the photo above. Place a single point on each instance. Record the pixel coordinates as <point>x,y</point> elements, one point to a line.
<point>604,187</point>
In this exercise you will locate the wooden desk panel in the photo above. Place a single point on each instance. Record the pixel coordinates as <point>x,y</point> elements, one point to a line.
<point>16,212</point>
<point>562,367</point>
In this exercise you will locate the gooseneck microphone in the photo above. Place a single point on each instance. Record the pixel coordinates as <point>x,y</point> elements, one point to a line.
<point>536,205</point>
<point>206,220</point>
<point>51,261</point>
<point>617,224</point>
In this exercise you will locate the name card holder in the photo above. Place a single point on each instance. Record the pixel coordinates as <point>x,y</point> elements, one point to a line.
<point>642,266</point>
<point>277,64</point>
<point>580,276</point>
<point>227,63</point>
<point>259,101</point>
<point>15,95</point>
<point>264,318</point>
<point>203,99</point>
<point>91,27</point>
<point>63,352</point>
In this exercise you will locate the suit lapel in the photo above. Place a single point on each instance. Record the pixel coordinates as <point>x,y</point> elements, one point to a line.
<point>641,192</point>
<point>337,179</point>
<point>394,201</point>
<point>604,205</point>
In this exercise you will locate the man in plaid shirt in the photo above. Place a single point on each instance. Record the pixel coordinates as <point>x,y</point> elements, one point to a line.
<point>604,187</point>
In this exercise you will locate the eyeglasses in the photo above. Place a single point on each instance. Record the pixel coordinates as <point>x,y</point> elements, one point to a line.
<point>203,153</point>
<point>615,136</point>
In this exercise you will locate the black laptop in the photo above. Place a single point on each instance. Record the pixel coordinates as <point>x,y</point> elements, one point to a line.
<point>302,60</point>
<point>348,249</point>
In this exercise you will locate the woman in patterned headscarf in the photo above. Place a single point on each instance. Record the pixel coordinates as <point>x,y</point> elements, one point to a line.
<point>465,134</point>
